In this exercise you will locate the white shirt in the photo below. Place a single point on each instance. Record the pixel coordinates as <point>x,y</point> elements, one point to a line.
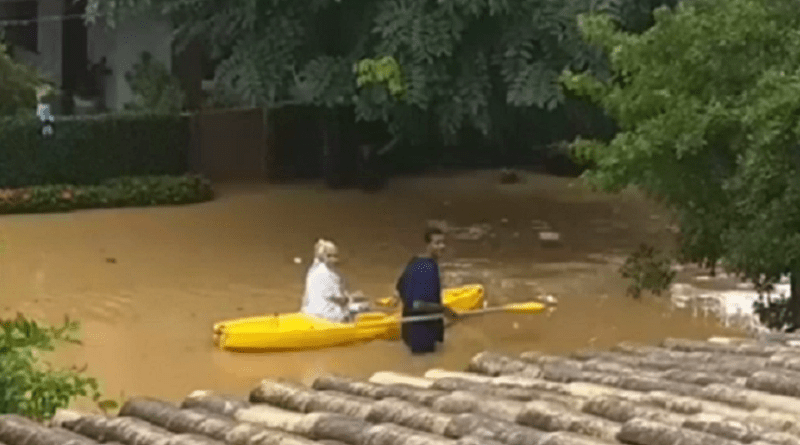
<point>322,284</point>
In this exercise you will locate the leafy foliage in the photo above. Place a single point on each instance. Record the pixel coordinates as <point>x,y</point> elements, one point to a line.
<point>31,387</point>
<point>648,270</point>
<point>18,86</point>
<point>90,150</point>
<point>775,312</point>
<point>385,71</point>
<point>707,100</point>
<point>461,61</point>
<point>117,192</point>
<point>154,88</point>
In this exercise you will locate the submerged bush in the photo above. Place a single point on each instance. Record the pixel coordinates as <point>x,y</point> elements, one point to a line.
<point>648,270</point>
<point>119,192</point>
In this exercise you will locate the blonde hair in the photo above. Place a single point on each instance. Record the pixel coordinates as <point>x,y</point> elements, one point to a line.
<point>323,249</point>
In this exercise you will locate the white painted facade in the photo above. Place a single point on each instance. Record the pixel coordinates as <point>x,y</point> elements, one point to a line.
<point>121,46</point>
<point>48,61</point>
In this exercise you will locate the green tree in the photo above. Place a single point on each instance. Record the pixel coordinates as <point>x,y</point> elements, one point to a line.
<point>155,89</point>
<point>18,85</point>
<point>463,62</point>
<point>708,101</point>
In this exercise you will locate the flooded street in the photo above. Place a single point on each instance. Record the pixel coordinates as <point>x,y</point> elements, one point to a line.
<point>147,284</point>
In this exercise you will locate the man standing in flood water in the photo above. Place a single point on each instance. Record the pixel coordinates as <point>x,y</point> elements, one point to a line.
<point>420,291</point>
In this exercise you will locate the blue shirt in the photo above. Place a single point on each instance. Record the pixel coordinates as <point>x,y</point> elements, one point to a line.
<point>421,282</point>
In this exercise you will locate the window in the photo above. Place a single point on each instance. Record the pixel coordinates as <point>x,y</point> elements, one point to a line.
<point>23,36</point>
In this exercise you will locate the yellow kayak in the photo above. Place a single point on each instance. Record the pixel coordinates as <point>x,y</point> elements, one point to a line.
<point>297,331</point>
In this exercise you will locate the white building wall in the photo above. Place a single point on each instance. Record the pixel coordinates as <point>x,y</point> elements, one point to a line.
<point>121,46</point>
<point>100,42</point>
<point>49,40</point>
<point>48,59</point>
<point>130,39</point>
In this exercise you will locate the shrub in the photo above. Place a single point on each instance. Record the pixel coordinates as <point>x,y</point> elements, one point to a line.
<point>88,151</point>
<point>32,388</point>
<point>119,192</point>
<point>648,270</point>
<point>154,88</point>
<point>18,85</point>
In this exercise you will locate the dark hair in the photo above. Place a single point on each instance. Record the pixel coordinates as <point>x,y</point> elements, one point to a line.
<point>431,232</point>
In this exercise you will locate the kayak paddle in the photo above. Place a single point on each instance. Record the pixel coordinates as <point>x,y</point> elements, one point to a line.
<point>530,307</point>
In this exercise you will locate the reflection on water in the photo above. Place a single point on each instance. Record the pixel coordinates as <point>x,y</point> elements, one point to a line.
<point>147,316</point>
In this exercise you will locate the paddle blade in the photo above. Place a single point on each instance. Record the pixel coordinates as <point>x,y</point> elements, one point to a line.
<point>531,307</point>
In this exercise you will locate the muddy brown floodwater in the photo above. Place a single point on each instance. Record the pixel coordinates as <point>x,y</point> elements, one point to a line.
<point>147,314</point>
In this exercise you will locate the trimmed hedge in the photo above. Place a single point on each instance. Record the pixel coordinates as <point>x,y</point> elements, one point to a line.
<point>89,150</point>
<point>119,192</point>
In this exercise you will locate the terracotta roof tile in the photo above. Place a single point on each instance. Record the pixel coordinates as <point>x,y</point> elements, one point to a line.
<point>717,392</point>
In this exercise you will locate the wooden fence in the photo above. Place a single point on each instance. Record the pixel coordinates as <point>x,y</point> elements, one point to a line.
<point>230,145</point>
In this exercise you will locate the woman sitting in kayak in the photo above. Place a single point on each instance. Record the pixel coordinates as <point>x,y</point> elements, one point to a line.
<point>325,294</point>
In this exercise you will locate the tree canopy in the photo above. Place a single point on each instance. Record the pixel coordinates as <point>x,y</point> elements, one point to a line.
<point>462,61</point>
<point>707,102</point>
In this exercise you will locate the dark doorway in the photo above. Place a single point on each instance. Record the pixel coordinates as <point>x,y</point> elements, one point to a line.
<point>74,55</point>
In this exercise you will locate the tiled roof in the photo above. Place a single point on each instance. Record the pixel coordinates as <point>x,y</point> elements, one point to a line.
<point>682,392</point>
